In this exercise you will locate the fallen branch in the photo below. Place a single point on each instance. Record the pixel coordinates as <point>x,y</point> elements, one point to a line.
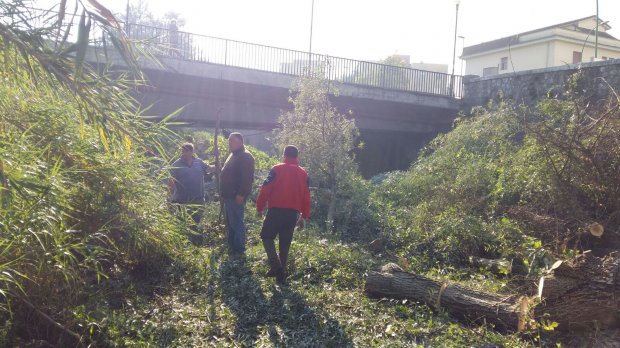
<point>78,339</point>
<point>501,266</point>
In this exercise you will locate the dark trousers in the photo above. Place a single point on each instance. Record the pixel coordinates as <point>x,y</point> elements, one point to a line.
<point>192,207</point>
<point>236,225</point>
<point>280,222</point>
<point>195,209</point>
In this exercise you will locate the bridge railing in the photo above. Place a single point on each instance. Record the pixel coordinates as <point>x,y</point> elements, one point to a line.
<point>173,43</point>
<point>170,42</point>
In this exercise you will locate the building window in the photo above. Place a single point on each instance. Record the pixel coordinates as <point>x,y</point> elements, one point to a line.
<point>503,63</point>
<point>576,57</point>
<point>490,71</point>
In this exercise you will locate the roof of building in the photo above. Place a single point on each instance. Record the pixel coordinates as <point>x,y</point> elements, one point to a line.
<point>514,39</point>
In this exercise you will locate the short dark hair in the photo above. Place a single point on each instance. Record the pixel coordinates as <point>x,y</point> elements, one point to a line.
<point>291,151</point>
<point>187,147</point>
<point>236,135</point>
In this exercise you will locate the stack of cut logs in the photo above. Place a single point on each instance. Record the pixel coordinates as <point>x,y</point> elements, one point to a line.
<point>580,293</point>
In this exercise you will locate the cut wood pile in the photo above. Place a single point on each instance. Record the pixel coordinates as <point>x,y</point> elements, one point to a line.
<point>580,293</point>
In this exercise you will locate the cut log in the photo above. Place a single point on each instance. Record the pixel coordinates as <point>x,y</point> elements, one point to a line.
<point>507,313</point>
<point>581,293</point>
<point>589,267</point>
<point>551,287</point>
<point>500,266</point>
<point>589,306</point>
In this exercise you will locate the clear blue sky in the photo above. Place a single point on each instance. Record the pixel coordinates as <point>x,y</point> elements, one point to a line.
<point>373,30</point>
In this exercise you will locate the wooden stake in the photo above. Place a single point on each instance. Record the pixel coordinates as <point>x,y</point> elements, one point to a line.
<point>218,167</point>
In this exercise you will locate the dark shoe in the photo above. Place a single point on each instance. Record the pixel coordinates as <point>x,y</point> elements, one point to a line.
<point>237,257</point>
<point>281,277</point>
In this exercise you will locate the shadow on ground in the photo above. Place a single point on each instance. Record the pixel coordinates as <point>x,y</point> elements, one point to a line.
<point>281,316</point>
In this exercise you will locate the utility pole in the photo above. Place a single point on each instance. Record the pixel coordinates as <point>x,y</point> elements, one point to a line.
<point>463,46</point>
<point>456,25</point>
<point>596,34</point>
<point>127,19</point>
<point>311,23</point>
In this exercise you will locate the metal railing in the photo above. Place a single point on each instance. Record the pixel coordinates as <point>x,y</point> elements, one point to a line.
<point>170,42</point>
<point>201,48</point>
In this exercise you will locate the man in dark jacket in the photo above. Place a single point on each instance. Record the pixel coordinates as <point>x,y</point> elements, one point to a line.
<point>286,194</point>
<point>235,187</point>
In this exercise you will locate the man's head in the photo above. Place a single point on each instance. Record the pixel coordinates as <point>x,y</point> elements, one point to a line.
<point>290,151</point>
<point>235,141</point>
<point>187,151</point>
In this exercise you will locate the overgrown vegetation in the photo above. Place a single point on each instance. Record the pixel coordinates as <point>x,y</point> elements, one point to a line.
<point>230,304</point>
<point>90,252</point>
<point>325,138</point>
<point>511,182</point>
<point>81,179</point>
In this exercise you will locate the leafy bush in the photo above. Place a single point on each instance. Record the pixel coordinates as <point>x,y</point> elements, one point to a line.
<point>443,205</point>
<point>324,137</point>
<point>506,177</point>
<point>355,219</point>
<point>82,194</point>
<point>578,141</point>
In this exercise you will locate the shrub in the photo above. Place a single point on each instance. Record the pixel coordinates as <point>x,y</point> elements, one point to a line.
<point>82,194</point>
<point>324,137</point>
<point>506,177</point>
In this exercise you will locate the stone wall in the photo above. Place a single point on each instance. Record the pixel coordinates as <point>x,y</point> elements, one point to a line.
<point>528,87</point>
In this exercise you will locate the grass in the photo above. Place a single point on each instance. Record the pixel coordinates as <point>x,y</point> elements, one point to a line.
<point>89,248</point>
<point>215,300</point>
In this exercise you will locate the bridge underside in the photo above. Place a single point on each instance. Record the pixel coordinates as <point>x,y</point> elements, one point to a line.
<point>393,132</point>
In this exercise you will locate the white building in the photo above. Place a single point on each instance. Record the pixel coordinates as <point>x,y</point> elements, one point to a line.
<point>565,43</point>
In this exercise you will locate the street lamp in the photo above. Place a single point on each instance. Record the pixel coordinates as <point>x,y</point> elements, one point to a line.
<point>463,46</point>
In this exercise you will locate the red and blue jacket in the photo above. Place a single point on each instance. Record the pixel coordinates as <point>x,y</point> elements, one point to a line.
<point>287,186</point>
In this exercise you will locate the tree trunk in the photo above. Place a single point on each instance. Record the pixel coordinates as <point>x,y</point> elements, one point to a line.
<point>507,313</point>
<point>331,211</point>
<point>582,293</point>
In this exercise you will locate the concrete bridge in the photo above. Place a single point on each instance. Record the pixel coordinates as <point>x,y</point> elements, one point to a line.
<point>397,109</point>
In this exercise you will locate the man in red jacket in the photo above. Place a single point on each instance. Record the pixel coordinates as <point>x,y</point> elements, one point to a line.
<point>286,194</point>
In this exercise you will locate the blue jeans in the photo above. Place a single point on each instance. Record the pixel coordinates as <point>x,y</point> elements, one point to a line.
<point>235,224</point>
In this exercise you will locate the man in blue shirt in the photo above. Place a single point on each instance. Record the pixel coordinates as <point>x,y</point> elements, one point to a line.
<point>187,184</point>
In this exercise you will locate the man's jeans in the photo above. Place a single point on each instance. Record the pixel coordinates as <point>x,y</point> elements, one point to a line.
<point>235,224</point>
